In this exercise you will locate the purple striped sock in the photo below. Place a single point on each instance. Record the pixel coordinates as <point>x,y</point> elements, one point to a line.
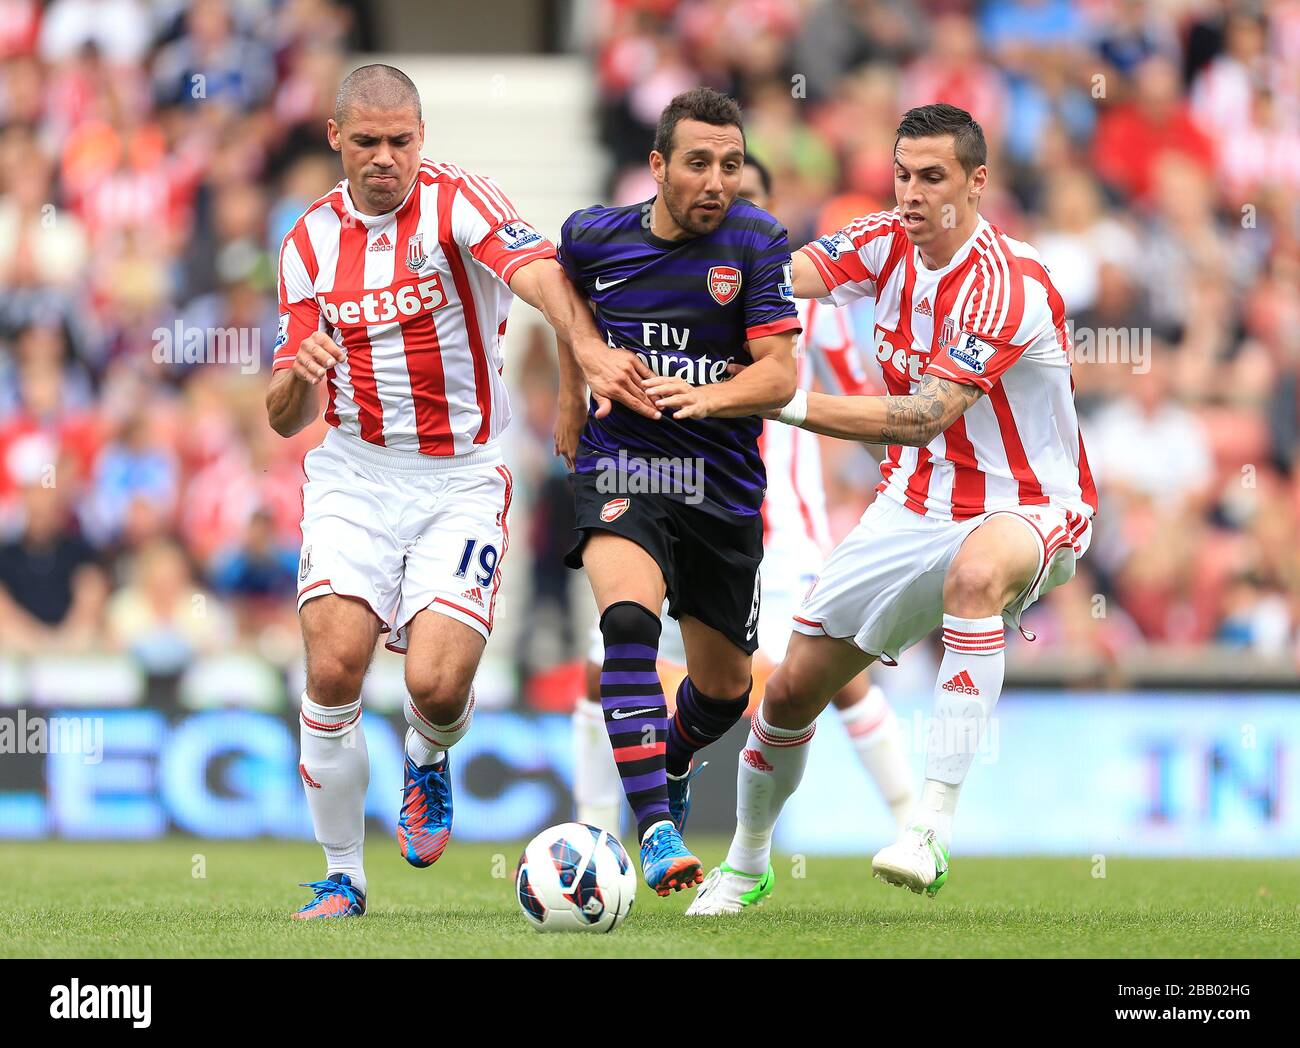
<point>636,715</point>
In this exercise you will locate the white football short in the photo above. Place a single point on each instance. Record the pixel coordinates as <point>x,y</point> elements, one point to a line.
<point>882,587</point>
<point>404,531</point>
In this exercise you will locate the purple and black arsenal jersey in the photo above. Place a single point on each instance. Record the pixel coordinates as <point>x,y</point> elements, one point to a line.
<point>687,308</point>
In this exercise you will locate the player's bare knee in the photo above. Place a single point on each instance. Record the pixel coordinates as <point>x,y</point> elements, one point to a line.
<point>334,677</point>
<point>440,696</point>
<point>783,706</point>
<point>339,635</point>
<point>973,588</point>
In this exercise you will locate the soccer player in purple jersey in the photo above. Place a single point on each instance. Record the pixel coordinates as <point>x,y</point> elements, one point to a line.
<point>691,282</point>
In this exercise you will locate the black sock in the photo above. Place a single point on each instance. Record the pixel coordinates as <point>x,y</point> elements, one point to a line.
<point>699,721</point>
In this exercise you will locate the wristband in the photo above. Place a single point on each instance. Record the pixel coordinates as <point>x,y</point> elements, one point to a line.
<point>796,410</point>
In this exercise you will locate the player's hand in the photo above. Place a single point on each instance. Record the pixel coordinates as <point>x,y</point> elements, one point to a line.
<point>568,428</point>
<point>614,375</point>
<point>317,353</point>
<point>676,394</point>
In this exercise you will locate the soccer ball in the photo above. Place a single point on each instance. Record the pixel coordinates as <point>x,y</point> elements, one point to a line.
<point>575,878</point>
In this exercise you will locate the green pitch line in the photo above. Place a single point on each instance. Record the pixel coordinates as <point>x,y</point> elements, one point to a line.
<point>144,900</point>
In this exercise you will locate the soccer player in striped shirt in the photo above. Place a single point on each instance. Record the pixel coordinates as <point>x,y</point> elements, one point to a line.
<point>395,288</point>
<point>986,499</point>
<point>691,282</point>
<point>796,539</point>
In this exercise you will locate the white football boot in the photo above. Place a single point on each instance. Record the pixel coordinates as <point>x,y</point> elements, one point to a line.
<point>726,891</point>
<point>916,861</point>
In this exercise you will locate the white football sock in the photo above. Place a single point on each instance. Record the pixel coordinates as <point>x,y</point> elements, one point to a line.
<point>426,742</point>
<point>771,766</point>
<point>878,739</point>
<point>597,788</point>
<point>335,771</point>
<point>967,689</point>
<point>935,809</point>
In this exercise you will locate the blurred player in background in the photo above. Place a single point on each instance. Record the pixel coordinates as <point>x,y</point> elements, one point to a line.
<point>691,281</point>
<point>985,505</point>
<point>395,288</point>
<point>796,538</point>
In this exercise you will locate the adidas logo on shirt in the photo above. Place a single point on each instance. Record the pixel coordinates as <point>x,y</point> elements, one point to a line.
<point>382,243</point>
<point>962,684</point>
<point>475,594</point>
<point>924,308</point>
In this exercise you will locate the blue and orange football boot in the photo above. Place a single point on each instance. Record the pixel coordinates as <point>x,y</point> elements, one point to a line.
<point>666,863</point>
<point>424,823</point>
<point>335,896</point>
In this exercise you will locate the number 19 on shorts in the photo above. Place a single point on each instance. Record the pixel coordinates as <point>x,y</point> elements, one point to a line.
<point>486,562</point>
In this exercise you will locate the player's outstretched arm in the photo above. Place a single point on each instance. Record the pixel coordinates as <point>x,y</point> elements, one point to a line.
<point>808,283</point>
<point>543,284</point>
<point>913,420</point>
<point>291,400</point>
<point>760,387</point>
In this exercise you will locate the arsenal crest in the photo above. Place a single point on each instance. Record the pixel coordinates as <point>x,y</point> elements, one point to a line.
<point>415,256</point>
<point>613,509</point>
<point>724,283</point>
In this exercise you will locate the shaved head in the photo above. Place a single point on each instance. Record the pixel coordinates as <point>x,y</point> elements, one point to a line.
<point>375,87</point>
<point>378,129</point>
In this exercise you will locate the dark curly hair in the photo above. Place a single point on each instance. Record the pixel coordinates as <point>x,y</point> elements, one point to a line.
<point>700,103</point>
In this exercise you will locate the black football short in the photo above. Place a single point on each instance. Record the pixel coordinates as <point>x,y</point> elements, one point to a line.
<point>710,564</point>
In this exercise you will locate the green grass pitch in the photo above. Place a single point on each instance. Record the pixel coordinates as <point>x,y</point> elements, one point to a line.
<point>144,900</point>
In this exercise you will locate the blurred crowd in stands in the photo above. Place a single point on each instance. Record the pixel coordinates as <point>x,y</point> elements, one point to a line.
<point>153,155</point>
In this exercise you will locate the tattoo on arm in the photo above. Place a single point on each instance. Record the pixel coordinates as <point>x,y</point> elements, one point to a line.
<point>918,418</point>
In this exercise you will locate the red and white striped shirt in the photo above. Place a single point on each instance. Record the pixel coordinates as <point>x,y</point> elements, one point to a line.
<point>794,511</point>
<point>418,298</point>
<point>990,318</point>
